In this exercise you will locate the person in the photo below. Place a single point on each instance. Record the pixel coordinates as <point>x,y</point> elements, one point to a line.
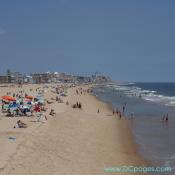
<point>124,107</point>
<point>166,118</point>
<point>37,108</point>
<point>39,115</point>
<point>132,115</point>
<point>17,111</point>
<point>24,111</point>
<point>79,106</point>
<point>113,111</point>
<point>43,108</point>
<point>10,113</point>
<point>74,106</point>
<point>98,111</point>
<point>2,106</point>
<point>67,103</point>
<point>77,91</point>
<point>52,112</point>
<point>20,124</point>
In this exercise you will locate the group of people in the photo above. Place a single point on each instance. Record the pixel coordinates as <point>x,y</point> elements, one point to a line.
<point>118,112</point>
<point>77,105</point>
<point>82,91</point>
<point>79,91</point>
<point>19,106</point>
<point>39,110</point>
<point>20,109</point>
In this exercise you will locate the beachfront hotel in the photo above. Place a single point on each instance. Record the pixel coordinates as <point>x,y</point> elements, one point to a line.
<point>48,77</point>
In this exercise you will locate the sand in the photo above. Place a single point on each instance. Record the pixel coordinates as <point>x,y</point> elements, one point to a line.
<point>75,141</point>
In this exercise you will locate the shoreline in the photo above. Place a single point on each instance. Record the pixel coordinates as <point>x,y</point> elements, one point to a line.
<point>73,142</point>
<point>129,129</point>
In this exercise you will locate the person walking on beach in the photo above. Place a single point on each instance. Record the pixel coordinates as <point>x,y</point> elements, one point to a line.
<point>98,111</point>
<point>79,105</point>
<point>113,111</point>
<point>77,91</point>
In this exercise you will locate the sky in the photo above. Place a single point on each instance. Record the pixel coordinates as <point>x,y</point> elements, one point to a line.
<point>127,40</point>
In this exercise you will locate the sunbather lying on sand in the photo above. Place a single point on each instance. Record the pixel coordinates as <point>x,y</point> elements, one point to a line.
<point>20,124</point>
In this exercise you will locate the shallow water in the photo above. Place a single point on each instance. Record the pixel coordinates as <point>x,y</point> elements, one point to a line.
<point>156,138</point>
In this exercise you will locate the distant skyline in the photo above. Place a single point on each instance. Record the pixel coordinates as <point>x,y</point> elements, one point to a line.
<point>126,40</point>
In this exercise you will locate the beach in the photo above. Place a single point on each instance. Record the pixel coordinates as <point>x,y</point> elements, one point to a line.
<point>74,141</point>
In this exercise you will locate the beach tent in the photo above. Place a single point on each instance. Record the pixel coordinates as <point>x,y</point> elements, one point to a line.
<point>8,98</point>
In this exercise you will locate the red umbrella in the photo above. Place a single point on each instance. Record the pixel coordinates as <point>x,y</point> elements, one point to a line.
<point>29,97</point>
<point>9,98</point>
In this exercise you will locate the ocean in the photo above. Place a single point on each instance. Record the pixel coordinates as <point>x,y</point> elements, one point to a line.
<point>148,102</point>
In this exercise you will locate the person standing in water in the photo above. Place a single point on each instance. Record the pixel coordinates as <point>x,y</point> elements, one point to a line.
<point>132,115</point>
<point>124,107</point>
<point>166,118</point>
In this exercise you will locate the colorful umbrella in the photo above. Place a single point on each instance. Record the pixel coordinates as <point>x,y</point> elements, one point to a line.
<point>29,97</point>
<point>9,98</point>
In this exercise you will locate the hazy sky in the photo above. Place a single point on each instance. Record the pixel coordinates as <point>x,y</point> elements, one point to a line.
<point>130,40</point>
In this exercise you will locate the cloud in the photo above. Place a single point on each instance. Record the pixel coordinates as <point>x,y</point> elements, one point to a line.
<point>2,31</point>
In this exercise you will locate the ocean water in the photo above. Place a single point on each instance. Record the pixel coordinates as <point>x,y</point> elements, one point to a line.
<point>148,102</point>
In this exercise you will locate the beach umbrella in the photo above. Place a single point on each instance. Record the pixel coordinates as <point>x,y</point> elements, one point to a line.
<point>26,107</point>
<point>13,108</point>
<point>17,101</point>
<point>9,98</point>
<point>29,97</point>
<point>29,102</point>
<point>39,96</point>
